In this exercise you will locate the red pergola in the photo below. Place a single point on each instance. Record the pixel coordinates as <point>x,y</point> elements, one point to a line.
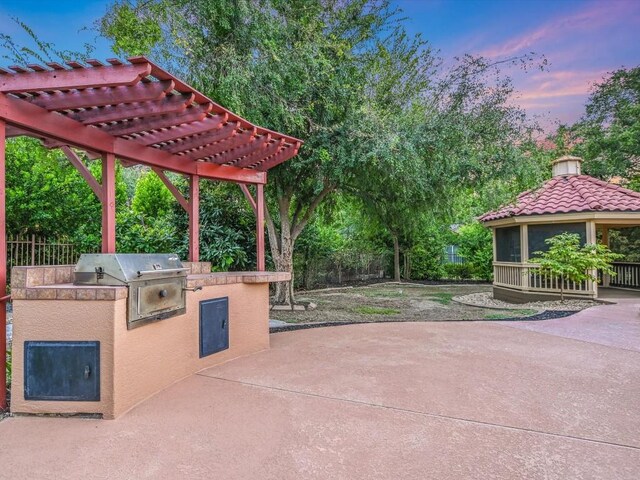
<point>139,113</point>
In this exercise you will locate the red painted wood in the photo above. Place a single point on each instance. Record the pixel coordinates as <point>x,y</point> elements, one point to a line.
<point>70,79</point>
<point>41,123</point>
<point>194,218</point>
<point>3,273</point>
<point>236,140</point>
<point>232,174</point>
<point>84,171</point>
<point>260,227</point>
<point>169,104</point>
<point>257,143</point>
<point>172,188</point>
<point>279,157</point>
<point>98,97</point>
<point>191,114</point>
<point>208,138</point>
<point>108,203</point>
<point>178,133</point>
<point>260,154</point>
<point>248,196</point>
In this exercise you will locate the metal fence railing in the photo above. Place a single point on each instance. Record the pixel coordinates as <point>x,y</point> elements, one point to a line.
<point>33,250</point>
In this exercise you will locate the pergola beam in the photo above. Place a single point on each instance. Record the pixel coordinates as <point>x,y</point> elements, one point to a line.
<point>214,135</point>
<point>280,157</point>
<point>99,97</point>
<point>238,152</point>
<point>223,145</point>
<point>248,196</point>
<point>191,114</point>
<point>169,104</point>
<point>52,125</point>
<point>172,188</point>
<point>259,155</point>
<point>176,133</point>
<point>74,79</point>
<point>84,171</point>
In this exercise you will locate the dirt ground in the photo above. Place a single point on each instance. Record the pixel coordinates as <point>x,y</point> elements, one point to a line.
<point>393,302</point>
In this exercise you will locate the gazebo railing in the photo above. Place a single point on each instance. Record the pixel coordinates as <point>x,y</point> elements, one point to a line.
<point>627,275</point>
<point>527,277</point>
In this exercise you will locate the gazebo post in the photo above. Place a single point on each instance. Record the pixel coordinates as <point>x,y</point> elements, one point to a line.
<point>3,272</point>
<point>524,255</point>
<point>194,218</point>
<point>260,227</point>
<point>592,238</point>
<point>606,278</point>
<point>108,203</point>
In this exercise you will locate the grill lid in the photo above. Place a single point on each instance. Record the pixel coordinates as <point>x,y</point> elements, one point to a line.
<point>123,268</point>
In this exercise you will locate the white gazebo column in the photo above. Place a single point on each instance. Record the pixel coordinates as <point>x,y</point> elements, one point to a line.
<point>524,255</point>
<point>606,278</point>
<point>592,238</point>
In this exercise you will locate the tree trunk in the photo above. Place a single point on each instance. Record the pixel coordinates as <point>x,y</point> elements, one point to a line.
<point>396,258</point>
<point>282,238</point>
<point>283,261</point>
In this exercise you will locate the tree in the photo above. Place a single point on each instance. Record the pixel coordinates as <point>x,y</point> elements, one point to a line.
<point>299,67</point>
<point>571,262</point>
<point>608,135</point>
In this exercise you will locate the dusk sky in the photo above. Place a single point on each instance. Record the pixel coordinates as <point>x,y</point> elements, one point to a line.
<point>582,40</point>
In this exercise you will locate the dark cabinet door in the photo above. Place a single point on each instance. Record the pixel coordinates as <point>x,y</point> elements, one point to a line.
<point>63,371</point>
<point>214,326</point>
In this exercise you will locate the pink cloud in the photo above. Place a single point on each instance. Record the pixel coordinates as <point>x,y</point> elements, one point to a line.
<point>593,18</point>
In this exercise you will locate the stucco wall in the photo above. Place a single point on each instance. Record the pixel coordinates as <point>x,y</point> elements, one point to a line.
<point>136,364</point>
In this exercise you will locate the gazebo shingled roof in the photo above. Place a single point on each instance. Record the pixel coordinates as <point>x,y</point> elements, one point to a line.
<point>570,194</point>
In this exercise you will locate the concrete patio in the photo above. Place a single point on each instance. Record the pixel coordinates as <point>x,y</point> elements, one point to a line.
<point>556,399</point>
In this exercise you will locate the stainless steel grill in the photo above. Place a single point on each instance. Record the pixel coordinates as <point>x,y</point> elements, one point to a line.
<point>156,282</point>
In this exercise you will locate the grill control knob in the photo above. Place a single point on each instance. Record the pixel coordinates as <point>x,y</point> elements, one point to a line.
<point>162,293</point>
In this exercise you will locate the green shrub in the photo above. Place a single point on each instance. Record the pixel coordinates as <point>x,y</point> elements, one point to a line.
<point>475,244</point>
<point>426,262</point>
<point>458,271</point>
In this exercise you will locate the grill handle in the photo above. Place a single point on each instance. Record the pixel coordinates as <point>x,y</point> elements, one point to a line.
<point>165,270</point>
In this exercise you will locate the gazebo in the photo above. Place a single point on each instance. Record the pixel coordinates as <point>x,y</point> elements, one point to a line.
<point>136,113</point>
<point>568,202</point>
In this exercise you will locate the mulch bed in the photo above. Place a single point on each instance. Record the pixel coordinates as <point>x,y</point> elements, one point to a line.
<point>546,315</point>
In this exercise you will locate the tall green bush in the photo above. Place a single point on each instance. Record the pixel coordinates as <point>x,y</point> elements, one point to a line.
<point>475,244</point>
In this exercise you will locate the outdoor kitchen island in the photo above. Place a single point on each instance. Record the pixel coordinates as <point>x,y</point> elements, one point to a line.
<point>74,351</point>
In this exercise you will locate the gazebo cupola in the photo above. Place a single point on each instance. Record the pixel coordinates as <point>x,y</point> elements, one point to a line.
<point>568,202</point>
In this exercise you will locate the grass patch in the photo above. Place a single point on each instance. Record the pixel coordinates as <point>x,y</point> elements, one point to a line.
<point>443,298</point>
<point>367,310</point>
<point>523,312</point>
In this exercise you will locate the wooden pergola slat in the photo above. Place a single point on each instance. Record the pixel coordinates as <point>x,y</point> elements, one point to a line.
<point>171,104</point>
<point>74,79</point>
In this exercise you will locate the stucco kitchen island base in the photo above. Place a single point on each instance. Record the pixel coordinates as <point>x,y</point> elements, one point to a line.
<point>134,364</point>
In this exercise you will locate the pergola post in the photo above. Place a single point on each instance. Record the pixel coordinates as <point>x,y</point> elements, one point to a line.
<point>194,218</point>
<point>108,203</point>
<point>3,272</point>
<point>260,227</point>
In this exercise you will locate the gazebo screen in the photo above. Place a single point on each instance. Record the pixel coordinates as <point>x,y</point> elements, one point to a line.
<point>539,233</point>
<point>508,244</point>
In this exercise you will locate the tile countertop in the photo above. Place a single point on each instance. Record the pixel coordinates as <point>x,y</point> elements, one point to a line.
<point>55,282</point>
